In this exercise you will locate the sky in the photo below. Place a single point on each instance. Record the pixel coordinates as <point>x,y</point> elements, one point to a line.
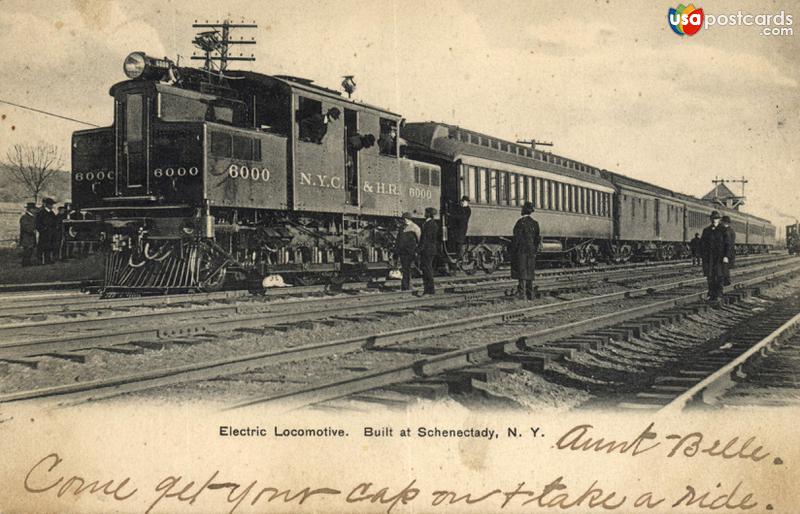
<point>609,83</point>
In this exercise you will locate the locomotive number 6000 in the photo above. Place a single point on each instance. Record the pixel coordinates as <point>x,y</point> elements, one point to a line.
<point>172,172</point>
<point>415,192</point>
<point>245,172</point>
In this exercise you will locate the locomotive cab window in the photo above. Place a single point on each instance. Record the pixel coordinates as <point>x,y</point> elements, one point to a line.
<point>172,107</point>
<point>387,140</point>
<point>234,146</point>
<point>311,121</point>
<point>220,144</point>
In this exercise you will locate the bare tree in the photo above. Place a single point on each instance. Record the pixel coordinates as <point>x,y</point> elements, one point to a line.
<point>33,166</point>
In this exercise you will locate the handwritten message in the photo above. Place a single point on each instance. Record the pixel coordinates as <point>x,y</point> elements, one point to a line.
<point>53,477</point>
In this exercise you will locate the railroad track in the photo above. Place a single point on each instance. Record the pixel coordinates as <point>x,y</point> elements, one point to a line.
<point>30,303</point>
<point>413,369</point>
<point>69,306</point>
<point>31,339</point>
<point>533,350</point>
<point>751,353</point>
<point>17,307</point>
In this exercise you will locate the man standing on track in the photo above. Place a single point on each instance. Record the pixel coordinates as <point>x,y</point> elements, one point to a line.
<point>406,248</point>
<point>726,222</point>
<point>694,245</point>
<point>428,245</point>
<point>716,249</point>
<point>459,223</point>
<point>523,251</point>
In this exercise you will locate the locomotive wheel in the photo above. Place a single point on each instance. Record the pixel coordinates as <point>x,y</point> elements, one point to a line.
<point>579,256</point>
<point>488,261</point>
<point>468,264</point>
<point>625,253</point>
<point>591,254</point>
<point>211,270</point>
<point>213,281</point>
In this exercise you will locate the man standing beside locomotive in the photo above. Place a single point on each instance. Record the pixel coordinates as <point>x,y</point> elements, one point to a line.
<point>406,248</point>
<point>459,223</point>
<point>428,246</point>
<point>47,226</point>
<point>524,247</point>
<point>716,251</point>
<point>27,233</point>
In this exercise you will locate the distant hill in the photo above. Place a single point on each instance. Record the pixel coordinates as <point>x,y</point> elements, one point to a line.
<point>57,188</point>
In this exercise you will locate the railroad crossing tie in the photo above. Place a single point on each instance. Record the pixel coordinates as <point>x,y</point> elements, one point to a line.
<point>463,380</point>
<point>588,342</point>
<point>616,334</point>
<point>428,389</point>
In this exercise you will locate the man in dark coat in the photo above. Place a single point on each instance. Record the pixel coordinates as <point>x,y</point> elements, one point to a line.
<point>694,245</point>
<point>459,223</point>
<point>716,251</point>
<point>47,226</point>
<point>726,222</point>
<point>27,233</point>
<point>524,247</point>
<point>406,248</point>
<point>428,247</point>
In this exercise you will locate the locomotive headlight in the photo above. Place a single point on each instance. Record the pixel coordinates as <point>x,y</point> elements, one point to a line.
<point>140,66</point>
<point>135,65</point>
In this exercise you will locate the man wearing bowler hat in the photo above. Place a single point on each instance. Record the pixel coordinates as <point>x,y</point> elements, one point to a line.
<point>47,226</point>
<point>428,246</point>
<point>27,233</point>
<point>406,248</point>
<point>523,249</point>
<point>716,249</point>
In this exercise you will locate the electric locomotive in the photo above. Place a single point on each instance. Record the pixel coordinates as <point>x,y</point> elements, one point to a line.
<point>204,175</point>
<point>793,239</point>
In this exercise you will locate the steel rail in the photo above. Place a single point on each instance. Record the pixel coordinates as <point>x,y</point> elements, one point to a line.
<point>21,299</point>
<point>695,395</point>
<point>212,369</point>
<point>114,319</point>
<point>13,305</point>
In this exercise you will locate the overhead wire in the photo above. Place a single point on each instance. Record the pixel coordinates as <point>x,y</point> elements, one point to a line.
<point>49,113</point>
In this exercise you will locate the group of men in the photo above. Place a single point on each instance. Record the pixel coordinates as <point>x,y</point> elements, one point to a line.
<point>41,233</point>
<point>714,249</point>
<point>413,240</point>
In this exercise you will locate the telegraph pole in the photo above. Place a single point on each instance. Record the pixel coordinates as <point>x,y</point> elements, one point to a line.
<point>216,43</point>
<point>741,181</point>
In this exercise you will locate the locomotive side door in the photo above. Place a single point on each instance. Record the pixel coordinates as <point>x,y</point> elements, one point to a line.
<point>351,157</point>
<point>656,218</point>
<point>132,149</point>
